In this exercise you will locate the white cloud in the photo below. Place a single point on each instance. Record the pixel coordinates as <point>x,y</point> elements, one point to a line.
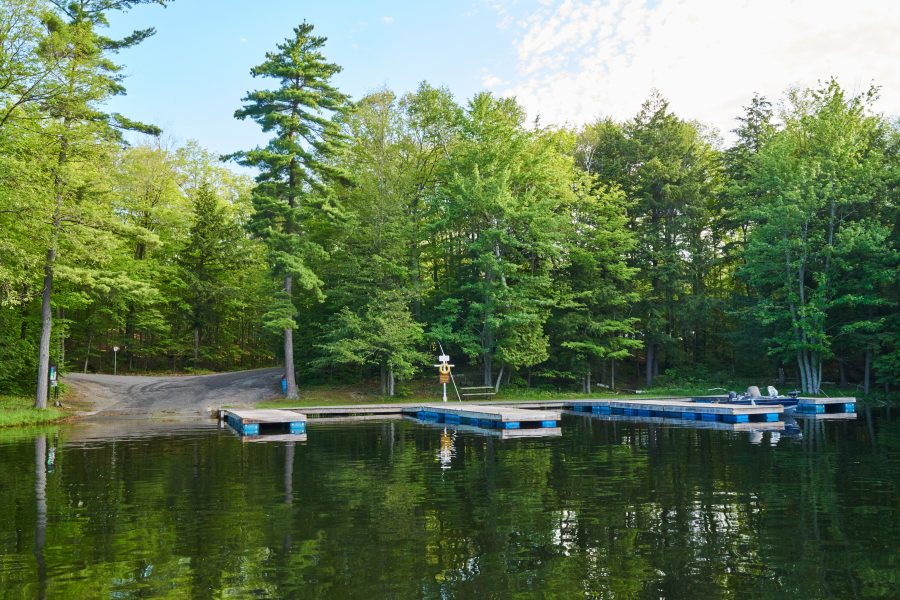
<point>243,40</point>
<point>581,59</point>
<point>490,82</point>
<point>387,20</point>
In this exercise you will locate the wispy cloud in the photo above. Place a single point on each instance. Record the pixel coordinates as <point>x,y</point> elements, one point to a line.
<point>387,20</point>
<point>580,59</point>
<point>491,82</point>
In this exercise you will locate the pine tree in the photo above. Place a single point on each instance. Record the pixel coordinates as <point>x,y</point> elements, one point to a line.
<point>294,167</point>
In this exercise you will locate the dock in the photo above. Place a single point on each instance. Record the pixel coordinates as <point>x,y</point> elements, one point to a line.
<point>257,422</point>
<point>680,409</point>
<point>492,417</point>
<point>821,406</point>
<point>693,424</point>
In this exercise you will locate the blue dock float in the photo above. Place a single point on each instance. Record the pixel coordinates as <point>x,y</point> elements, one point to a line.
<point>776,426</point>
<point>821,406</point>
<point>682,409</point>
<point>489,417</point>
<point>268,423</point>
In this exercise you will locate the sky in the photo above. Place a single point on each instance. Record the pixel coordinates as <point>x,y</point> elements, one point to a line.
<point>567,62</point>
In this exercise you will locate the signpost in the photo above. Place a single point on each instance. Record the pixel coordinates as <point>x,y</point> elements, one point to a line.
<point>444,372</point>
<point>54,383</point>
<point>115,355</point>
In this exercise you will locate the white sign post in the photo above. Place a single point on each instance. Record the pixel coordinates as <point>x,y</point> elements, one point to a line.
<point>115,355</point>
<point>444,371</point>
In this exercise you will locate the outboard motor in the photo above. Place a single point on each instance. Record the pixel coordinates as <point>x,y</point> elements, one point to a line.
<point>773,393</point>
<point>732,395</point>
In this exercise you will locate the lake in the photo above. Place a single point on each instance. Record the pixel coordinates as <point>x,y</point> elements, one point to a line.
<point>399,509</point>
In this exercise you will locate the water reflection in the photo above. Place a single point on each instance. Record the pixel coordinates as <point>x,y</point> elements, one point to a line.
<point>607,509</point>
<point>447,451</point>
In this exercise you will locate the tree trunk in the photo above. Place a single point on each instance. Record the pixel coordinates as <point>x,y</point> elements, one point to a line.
<point>196,344</point>
<point>62,338</point>
<point>842,369</point>
<point>382,379</point>
<point>867,372</point>
<point>289,376</point>
<point>87,355</point>
<point>488,367</point>
<point>391,382</point>
<point>499,379</point>
<point>650,359</point>
<point>612,375</point>
<point>43,375</point>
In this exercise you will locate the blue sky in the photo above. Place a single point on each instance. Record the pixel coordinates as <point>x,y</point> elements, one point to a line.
<point>569,61</point>
<point>189,78</point>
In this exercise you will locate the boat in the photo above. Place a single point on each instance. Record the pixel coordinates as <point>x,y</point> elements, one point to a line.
<point>752,397</point>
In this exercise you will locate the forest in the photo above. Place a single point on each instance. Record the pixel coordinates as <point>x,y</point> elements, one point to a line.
<point>379,229</point>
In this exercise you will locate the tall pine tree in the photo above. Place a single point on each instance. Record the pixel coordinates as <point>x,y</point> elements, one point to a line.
<point>294,166</point>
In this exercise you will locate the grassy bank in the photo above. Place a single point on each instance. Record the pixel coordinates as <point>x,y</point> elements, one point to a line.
<point>332,395</point>
<point>17,411</point>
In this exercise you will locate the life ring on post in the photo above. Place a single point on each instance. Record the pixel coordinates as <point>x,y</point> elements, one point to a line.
<point>444,368</point>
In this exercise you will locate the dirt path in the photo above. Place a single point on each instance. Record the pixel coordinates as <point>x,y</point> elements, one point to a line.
<point>189,395</point>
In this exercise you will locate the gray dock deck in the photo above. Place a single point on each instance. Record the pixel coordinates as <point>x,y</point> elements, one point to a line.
<point>253,422</point>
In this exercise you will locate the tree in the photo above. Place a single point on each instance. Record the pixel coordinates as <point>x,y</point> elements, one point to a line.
<point>669,172</point>
<point>85,76</point>
<point>208,260</point>
<point>592,321</point>
<point>294,166</point>
<point>382,334</point>
<point>499,228</point>
<point>813,179</point>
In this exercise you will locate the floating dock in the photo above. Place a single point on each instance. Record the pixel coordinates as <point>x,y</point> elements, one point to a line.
<point>491,417</point>
<point>821,406</point>
<point>681,409</point>
<point>694,424</point>
<point>265,422</point>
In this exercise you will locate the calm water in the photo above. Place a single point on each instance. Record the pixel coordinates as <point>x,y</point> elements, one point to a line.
<point>398,510</point>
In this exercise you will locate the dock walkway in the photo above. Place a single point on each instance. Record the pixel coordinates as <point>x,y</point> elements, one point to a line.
<point>681,409</point>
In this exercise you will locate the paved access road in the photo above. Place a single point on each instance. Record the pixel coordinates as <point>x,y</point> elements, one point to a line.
<point>195,394</point>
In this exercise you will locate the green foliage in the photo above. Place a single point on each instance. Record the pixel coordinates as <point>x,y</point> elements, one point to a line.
<point>381,230</point>
<point>815,218</point>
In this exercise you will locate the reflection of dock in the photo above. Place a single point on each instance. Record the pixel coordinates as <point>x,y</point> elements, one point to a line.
<point>839,416</point>
<point>265,422</point>
<point>275,437</point>
<point>503,434</point>
<point>696,424</point>
<point>682,410</point>
<point>493,417</point>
